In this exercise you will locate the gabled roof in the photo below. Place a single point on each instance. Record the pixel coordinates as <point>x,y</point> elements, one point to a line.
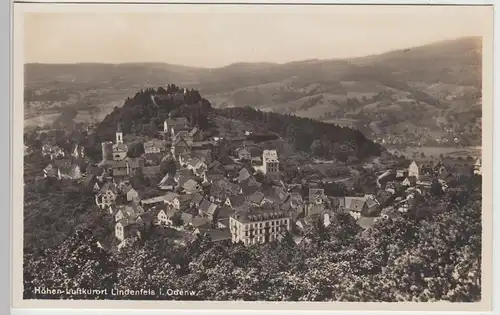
<point>366,222</point>
<point>187,218</point>
<point>256,197</point>
<point>208,207</point>
<point>170,196</point>
<point>200,221</point>
<point>216,235</point>
<point>197,199</point>
<point>190,185</point>
<point>217,192</point>
<point>243,175</point>
<point>355,204</point>
<point>250,186</point>
<point>371,202</point>
<point>184,200</point>
<point>237,200</point>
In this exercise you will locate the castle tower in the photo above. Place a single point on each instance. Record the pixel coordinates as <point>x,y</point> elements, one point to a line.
<point>107,150</point>
<point>119,134</point>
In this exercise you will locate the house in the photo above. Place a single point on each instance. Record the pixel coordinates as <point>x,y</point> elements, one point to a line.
<point>187,218</point>
<point>154,146</point>
<point>197,166</point>
<point>243,175</point>
<point>170,198</point>
<point>201,222</point>
<point>191,186</point>
<point>63,169</point>
<point>401,173</point>
<point>54,152</point>
<point>413,170</point>
<point>317,196</point>
<point>171,125</point>
<point>165,215</point>
<point>256,198</point>
<point>182,202</point>
<point>51,171</point>
<point>196,200</point>
<point>424,181</point>
<point>230,188</point>
<point>270,163</point>
<point>215,235</point>
<point>314,208</point>
<point>244,154</point>
<point>131,193</point>
<point>208,209</point>
<point>156,200</point>
<point>128,211</point>
<point>235,201</point>
<point>409,181</point>
<point>258,226</point>
<point>478,169</point>
<point>276,196</point>
<point>132,227</point>
<point>249,186</point>
<point>106,196</point>
<point>356,206</point>
<point>217,194</point>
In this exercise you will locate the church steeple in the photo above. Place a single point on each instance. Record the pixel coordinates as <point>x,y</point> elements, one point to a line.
<point>119,134</point>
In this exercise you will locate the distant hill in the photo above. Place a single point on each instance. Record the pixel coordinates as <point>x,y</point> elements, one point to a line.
<point>432,89</point>
<point>143,115</point>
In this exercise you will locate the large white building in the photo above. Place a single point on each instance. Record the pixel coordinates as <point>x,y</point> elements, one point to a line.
<point>270,162</point>
<point>256,227</point>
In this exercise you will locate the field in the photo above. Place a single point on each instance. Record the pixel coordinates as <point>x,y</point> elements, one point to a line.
<point>435,152</point>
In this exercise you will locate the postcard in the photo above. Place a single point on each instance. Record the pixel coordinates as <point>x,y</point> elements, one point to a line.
<point>230,156</point>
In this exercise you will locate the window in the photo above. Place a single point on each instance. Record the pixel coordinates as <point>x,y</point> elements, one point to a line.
<point>260,224</point>
<point>272,229</point>
<point>272,223</point>
<point>246,233</point>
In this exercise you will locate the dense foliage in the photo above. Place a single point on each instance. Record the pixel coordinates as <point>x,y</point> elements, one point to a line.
<point>423,255</point>
<point>325,140</point>
<point>144,113</point>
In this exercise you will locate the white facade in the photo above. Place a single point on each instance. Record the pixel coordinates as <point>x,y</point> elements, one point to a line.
<point>254,232</point>
<point>413,170</point>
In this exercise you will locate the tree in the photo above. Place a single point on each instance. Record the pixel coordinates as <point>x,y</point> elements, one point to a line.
<point>176,219</point>
<point>436,188</point>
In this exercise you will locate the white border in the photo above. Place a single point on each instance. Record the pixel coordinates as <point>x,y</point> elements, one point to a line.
<point>365,305</point>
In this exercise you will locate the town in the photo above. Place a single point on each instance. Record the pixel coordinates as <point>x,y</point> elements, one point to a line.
<point>244,199</point>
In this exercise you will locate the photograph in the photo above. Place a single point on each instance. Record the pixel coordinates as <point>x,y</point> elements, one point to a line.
<point>254,153</point>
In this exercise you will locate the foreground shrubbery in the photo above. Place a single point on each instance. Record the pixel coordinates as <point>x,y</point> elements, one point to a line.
<point>423,256</point>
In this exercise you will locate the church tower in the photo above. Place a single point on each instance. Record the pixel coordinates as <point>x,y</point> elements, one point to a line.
<point>119,134</point>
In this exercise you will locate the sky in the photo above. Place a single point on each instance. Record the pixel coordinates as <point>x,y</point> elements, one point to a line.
<point>218,35</point>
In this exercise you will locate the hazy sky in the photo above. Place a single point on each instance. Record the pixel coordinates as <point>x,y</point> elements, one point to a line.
<point>212,36</point>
